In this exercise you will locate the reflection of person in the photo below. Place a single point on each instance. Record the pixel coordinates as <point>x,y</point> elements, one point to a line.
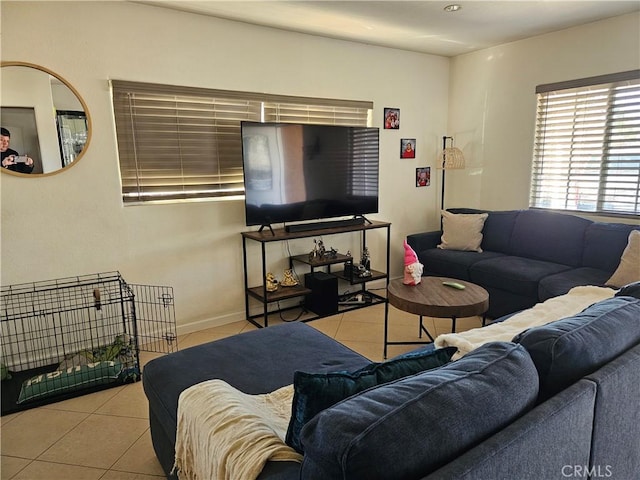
<point>10,159</point>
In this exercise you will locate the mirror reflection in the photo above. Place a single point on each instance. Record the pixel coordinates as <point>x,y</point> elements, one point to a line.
<point>45,123</point>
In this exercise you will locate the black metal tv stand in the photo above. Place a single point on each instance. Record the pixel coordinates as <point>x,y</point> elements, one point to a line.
<point>259,292</point>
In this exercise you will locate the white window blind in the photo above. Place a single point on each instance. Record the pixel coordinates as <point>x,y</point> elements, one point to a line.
<point>366,150</point>
<point>587,145</point>
<point>181,142</point>
<point>349,114</point>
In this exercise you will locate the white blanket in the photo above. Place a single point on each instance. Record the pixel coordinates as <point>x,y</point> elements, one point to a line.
<point>226,434</point>
<point>576,300</point>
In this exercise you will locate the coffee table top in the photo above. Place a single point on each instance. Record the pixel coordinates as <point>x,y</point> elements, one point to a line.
<point>433,299</point>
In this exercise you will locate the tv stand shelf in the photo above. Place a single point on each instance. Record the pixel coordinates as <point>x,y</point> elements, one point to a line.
<point>260,293</point>
<point>281,294</point>
<point>357,280</point>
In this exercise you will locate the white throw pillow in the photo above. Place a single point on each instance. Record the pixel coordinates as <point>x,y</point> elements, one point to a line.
<point>462,231</point>
<point>629,269</point>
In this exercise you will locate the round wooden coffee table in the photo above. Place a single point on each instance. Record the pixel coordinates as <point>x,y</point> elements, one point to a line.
<point>431,298</point>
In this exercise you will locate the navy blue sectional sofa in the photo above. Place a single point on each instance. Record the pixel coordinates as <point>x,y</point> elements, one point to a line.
<point>528,256</point>
<point>559,401</point>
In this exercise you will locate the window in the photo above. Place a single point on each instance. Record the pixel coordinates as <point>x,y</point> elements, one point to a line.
<point>587,145</point>
<point>184,143</point>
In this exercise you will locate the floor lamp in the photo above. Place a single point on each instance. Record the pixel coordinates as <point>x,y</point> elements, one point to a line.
<point>452,159</point>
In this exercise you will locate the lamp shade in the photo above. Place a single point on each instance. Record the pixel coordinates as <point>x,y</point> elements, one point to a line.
<point>452,158</point>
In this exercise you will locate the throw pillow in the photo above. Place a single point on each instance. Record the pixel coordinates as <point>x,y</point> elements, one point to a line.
<point>630,290</point>
<point>410,427</point>
<point>629,269</point>
<point>462,231</point>
<point>315,392</point>
<point>566,350</point>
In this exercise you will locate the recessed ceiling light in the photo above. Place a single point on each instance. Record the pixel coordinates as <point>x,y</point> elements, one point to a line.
<point>454,7</point>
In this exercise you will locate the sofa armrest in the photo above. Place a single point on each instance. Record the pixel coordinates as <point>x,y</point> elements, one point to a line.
<point>424,241</point>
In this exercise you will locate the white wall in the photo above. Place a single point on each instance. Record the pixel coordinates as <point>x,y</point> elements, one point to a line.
<point>74,223</point>
<point>492,103</point>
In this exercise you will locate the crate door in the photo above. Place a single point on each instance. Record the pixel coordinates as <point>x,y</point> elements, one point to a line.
<point>155,318</point>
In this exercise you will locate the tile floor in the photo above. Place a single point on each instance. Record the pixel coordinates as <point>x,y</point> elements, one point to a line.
<point>105,435</point>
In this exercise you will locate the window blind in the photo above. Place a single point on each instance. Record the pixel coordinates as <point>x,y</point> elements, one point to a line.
<point>180,142</point>
<point>587,145</point>
<point>346,114</point>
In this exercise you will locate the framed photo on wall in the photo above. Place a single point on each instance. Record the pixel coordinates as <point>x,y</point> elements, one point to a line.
<point>391,118</point>
<point>423,176</point>
<point>408,148</point>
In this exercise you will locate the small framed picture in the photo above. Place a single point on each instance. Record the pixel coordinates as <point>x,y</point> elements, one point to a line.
<point>423,176</point>
<point>391,118</point>
<point>408,148</point>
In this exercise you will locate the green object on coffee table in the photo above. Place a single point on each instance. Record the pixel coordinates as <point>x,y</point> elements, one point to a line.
<point>457,285</point>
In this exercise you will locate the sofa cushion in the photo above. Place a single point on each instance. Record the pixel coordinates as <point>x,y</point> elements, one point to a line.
<point>561,283</point>
<point>462,231</point>
<point>255,362</point>
<point>452,263</point>
<point>548,236</point>
<point>568,349</point>
<point>514,274</point>
<point>535,446</point>
<point>628,270</point>
<point>604,244</point>
<point>315,392</point>
<point>616,427</point>
<point>407,428</point>
<point>498,229</point>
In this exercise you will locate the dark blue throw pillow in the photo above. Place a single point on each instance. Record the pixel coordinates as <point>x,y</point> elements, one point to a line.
<point>566,350</point>
<point>315,392</point>
<point>630,290</point>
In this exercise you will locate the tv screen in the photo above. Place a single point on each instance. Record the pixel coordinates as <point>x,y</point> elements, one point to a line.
<point>296,172</point>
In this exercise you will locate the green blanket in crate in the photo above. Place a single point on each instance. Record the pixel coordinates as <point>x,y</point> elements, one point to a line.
<point>114,363</point>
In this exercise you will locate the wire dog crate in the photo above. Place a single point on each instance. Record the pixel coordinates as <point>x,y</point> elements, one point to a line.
<point>67,337</point>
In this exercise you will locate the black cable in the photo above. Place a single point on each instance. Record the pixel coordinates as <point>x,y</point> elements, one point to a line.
<point>302,312</point>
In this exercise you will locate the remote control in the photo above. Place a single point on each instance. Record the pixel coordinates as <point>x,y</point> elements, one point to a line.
<point>456,285</point>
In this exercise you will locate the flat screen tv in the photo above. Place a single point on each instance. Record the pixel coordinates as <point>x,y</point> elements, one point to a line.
<point>298,172</point>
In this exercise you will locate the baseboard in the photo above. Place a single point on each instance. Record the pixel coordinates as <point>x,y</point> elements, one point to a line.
<point>210,323</point>
<point>239,316</point>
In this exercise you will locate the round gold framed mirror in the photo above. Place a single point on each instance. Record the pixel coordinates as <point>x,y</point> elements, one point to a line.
<point>46,126</point>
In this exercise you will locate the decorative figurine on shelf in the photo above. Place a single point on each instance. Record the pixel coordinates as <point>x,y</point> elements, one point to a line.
<point>361,271</point>
<point>314,254</point>
<point>365,261</point>
<point>271,282</point>
<point>319,251</point>
<point>348,265</point>
<point>412,267</point>
<point>289,280</point>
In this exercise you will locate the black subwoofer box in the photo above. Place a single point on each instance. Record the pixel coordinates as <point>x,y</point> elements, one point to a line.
<point>323,299</point>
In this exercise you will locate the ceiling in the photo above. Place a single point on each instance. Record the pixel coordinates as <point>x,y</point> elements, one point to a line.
<point>420,26</point>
